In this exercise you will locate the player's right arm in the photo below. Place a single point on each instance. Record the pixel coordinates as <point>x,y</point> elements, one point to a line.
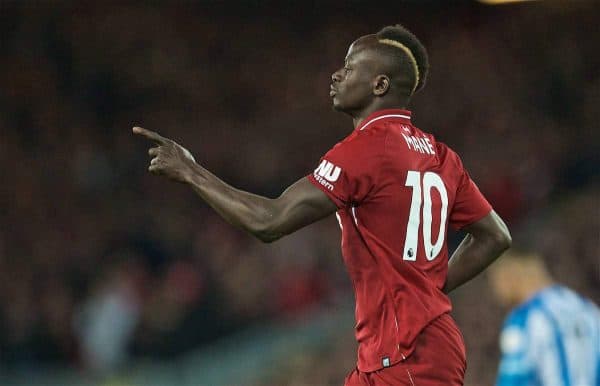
<point>265,218</point>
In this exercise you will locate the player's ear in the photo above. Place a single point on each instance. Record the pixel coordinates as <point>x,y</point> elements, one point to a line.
<point>381,85</point>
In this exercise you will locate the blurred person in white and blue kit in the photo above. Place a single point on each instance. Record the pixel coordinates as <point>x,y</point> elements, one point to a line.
<point>552,335</point>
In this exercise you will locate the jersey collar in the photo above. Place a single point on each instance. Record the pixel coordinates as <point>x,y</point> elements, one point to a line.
<point>402,115</point>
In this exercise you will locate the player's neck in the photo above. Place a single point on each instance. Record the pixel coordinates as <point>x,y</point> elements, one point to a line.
<point>376,105</point>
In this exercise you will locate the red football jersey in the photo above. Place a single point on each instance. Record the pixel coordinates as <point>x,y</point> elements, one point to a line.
<point>396,189</point>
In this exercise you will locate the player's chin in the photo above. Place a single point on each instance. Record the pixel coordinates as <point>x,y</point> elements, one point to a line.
<point>337,105</point>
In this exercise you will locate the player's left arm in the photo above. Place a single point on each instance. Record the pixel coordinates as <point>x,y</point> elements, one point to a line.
<point>265,218</point>
<point>484,243</point>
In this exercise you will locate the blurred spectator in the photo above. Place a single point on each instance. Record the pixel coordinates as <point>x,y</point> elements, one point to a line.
<point>552,335</point>
<point>109,316</point>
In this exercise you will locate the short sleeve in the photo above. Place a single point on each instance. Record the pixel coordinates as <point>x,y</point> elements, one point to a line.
<point>347,173</point>
<point>469,205</point>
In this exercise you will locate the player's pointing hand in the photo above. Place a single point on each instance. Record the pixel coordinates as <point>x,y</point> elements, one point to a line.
<point>168,157</point>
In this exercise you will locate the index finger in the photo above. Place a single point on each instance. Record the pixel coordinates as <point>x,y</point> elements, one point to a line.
<point>151,135</point>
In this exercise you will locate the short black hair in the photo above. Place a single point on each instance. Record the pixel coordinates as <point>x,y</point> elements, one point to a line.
<point>400,34</point>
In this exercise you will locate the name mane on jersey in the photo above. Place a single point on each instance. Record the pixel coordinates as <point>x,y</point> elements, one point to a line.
<point>420,144</point>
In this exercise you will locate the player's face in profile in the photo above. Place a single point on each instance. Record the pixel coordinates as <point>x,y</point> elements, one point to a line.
<point>352,85</point>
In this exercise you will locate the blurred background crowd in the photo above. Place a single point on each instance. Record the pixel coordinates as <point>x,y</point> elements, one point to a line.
<point>103,265</point>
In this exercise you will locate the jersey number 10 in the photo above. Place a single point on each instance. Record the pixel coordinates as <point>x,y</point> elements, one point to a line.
<point>429,181</point>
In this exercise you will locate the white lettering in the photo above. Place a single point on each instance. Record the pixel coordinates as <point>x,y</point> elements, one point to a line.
<point>429,145</point>
<point>416,144</point>
<point>422,145</point>
<point>323,168</point>
<point>322,181</point>
<point>333,175</point>
<point>407,139</point>
<point>328,171</point>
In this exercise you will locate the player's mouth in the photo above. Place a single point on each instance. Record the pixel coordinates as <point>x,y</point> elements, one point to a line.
<point>332,91</point>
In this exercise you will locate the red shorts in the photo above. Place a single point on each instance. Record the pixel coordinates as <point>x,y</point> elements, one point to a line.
<point>439,359</point>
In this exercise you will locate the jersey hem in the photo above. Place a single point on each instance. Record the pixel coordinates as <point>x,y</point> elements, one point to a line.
<point>477,218</point>
<point>401,356</point>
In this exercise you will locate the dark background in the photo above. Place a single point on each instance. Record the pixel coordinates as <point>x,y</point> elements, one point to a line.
<point>103,265</point>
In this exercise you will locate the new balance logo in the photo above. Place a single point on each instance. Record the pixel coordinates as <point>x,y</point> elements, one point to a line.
<point>328,171</point>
